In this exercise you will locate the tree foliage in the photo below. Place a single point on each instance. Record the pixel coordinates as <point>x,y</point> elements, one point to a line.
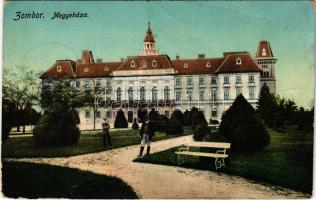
<point>243,127</point>
<point>267,106</point>
<point>198,118</point>
<point>22,88</point>
<point>57,126</point>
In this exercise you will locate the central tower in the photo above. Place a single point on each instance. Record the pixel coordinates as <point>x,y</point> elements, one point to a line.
<point>149,44</point>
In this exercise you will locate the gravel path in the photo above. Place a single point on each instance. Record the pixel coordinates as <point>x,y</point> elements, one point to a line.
<point>158,181</point>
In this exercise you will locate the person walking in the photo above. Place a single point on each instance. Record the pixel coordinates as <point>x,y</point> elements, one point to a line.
<point>106,133</point>
<point>146,135</point>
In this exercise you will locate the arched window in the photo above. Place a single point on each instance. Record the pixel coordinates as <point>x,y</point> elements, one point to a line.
<point>142,93</point>
<point>154,95</point>
<point>166,93</point>
<point>238,61</point>
<point>59,68</point>
<point>130,94</point>
<point>119,94</point>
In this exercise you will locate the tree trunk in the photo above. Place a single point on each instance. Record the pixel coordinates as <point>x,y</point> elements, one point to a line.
<point>94,112</point>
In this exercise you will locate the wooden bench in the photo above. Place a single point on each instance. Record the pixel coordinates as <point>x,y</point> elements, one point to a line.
<point>219,156</point>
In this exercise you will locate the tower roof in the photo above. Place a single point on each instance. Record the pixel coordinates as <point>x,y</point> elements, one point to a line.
<point>149,37</point>
<point>264,49</point>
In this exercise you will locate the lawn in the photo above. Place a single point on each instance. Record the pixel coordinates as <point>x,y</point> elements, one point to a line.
<point>287,161</point>
<point>90,141</point>
<point>29,180</point>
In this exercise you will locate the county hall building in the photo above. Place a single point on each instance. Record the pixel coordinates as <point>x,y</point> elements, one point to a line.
<point>152,80</point>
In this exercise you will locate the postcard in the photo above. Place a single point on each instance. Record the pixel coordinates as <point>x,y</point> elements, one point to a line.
<point>158,99</point>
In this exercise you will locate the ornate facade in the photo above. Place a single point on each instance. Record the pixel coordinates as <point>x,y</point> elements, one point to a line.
<point>152,80</point>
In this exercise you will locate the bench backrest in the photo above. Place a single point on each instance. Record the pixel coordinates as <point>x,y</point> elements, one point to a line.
<point>223,145</point>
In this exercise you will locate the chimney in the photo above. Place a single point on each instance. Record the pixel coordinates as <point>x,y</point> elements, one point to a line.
<point>99,60</point>
<point>201,56</point>
<point>177,57</point>
<point>87,57</point>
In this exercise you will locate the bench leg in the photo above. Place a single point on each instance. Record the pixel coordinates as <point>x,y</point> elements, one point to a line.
<point>219,162</point>
<point>180,159</point>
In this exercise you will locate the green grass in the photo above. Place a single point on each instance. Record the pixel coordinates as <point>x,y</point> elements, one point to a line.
<point>287,161</point>
<point>29,180</point>
<point>90,142</point>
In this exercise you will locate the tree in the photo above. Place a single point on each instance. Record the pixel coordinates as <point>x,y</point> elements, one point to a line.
<point>22,88</point>
<point>243,127</point>
<point>120,120</point>
<point>8,115</point>
<point>266,106</point>
<point>57,126</point>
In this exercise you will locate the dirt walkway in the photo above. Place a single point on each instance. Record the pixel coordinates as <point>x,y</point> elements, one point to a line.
<point>157,181</point>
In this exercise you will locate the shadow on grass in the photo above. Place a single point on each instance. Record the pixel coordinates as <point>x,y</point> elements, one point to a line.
<point>29,180</point>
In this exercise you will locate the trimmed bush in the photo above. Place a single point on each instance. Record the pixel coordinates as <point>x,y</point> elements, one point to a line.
<point>174,127</point>
<point>198,118</point>
<point>153,114</point>
<point>120,120</point>
<point>177,115</point>
<point>243,127</point>
<point>135,124</point>
<point>187,116</point>
<point>56,129</point>
<point>200,132</point>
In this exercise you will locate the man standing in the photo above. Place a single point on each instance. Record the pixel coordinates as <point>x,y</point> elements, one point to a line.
<point>105,133</point>
<point>146,134</point>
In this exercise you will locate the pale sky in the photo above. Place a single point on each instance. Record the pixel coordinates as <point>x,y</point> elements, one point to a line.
<point>116,30</point>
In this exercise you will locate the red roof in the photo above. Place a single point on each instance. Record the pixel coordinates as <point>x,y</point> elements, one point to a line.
<point>94,70</point>
<point>146,62</point>
<point>230,65</point>
<point>197,66</point>
<point>264,49</point>
<point>61,68</point>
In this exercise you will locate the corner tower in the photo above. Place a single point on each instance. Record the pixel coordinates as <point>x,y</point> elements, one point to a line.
<point>149,44</point>
<point>266,61</point>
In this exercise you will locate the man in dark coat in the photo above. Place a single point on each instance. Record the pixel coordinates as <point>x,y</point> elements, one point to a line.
<point>106,133</point>
<point>146,134</point>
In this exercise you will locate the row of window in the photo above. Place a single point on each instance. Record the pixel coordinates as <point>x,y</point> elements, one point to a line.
<point>87,83</point>
<point>214,94</point>
<point>251,79</point>
<point>142,94</point>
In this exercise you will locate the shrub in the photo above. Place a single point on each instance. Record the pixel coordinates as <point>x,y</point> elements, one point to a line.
<point>54,129</point>
<point>200,132</point>
<point>135,124</point>
<point>198,118</point>
<point>120,120</point>
<point>153,114</point>
<point>174,127</point>
<point>177,115</point>
<point>186,118</point>
<point>243,127</point>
